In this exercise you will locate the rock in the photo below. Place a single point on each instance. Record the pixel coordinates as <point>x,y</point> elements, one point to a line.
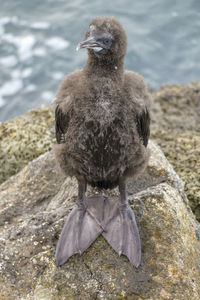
<point>176,129</point>
<point>33,207</point>
<point>25,138</point>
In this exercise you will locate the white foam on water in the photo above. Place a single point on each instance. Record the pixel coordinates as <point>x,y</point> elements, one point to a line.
<point>14,19</point>
<point>57,43</point>
<point>16,74</point>
<point>39,51</point>
<point>47,95</point>
<point>57,75</point>
<point>2,101</point>
<point>8,61</point>
<point>24,44</point>
<point>40,25</point>
<point>18,21</point>
<point>30,88</point>
<point>11,87</point>
<point>5,20</point>
<point>20,74</point>
<point>26,72</point>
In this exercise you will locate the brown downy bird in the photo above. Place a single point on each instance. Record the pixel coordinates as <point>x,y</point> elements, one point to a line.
<point>102,131</point>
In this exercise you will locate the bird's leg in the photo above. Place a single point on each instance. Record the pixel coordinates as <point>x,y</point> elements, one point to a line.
<point>82,208</point>
<point>82,186</point>
<point>122,231</point>
<point>81,227</point>
<point>123,212</point>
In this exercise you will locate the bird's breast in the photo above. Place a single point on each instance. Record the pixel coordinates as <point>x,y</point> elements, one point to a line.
<point>103,106</point>
<point>100,137</point>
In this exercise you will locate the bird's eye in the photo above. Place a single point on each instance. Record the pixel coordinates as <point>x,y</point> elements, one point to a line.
<point>106,41</point>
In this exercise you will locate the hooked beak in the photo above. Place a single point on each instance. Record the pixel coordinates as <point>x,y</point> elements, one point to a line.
<point>90,43</point>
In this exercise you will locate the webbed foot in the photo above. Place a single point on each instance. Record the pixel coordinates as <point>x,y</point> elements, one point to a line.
<point>123,235</point>
<point>121,228</point>
<point>78,233</point>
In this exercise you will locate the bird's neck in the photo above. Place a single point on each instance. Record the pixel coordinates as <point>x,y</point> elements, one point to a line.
<point>108,67</point>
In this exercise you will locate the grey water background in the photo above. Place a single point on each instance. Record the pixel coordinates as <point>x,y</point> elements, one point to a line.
<point>38,41</point>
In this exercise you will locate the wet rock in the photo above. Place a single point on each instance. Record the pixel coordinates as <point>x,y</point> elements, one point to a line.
<point>33,207</point>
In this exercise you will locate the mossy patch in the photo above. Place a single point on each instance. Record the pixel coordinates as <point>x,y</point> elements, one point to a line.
<point>25,138</point>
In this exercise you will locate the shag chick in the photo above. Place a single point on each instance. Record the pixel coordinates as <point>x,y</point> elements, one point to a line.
<point>102,130</point>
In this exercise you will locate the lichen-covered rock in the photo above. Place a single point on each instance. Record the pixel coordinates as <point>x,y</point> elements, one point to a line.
<point>23,139</point>
<point>176,129</point>
<point>33,207</point>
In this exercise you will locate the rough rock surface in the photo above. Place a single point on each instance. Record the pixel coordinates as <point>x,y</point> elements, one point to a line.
<point>176,129</point>
<point>33,207</point>
<point>24,138</point>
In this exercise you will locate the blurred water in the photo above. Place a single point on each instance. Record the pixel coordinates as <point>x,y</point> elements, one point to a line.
<point>38,41</point>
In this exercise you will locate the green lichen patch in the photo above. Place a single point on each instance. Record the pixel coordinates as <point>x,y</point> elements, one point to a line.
<point>25,138</point>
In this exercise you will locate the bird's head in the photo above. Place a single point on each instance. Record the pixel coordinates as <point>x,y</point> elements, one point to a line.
<point>105,38</point>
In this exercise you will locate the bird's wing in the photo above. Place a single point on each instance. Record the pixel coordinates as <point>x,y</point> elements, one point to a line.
<point>140,102</point>
<point>143,125</point>
<point>61,124</point>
